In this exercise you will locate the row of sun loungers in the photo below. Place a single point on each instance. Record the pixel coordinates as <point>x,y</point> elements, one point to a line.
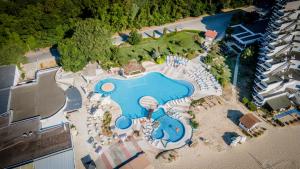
<point>204,79</point>
<point>171,103</point>
<point>147,130</point>
<point>175,61</point>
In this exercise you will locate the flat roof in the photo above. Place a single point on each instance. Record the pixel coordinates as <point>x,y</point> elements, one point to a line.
<point>74,101</point>
<point>238,29</point>
<point>279,102</point>
<point>4,120</point>
<point>7,76</point>
<point>21,149</point>
<point>43,97</point>
<point>293,5</point>
<point>251,37</point>
<point>4,100</point>
<point>118,155</point>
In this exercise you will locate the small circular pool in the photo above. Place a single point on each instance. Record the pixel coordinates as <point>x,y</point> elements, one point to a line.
<point>158,134</point>
<point>123,122</point>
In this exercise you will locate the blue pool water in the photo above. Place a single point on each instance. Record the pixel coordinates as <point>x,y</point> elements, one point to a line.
<point>123,122</point>
<point>281,115</point>
<point>128,92</point>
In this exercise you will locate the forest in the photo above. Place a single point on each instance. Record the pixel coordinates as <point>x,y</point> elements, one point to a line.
<point>31,24</point>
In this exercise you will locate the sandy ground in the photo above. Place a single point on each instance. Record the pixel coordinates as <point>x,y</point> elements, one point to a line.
<point>278,148</point>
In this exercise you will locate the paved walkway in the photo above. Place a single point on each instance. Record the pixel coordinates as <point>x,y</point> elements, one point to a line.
<point>236,70</point>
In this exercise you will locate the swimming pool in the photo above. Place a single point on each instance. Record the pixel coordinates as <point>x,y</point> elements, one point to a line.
<point>127,94</point>
<point>283,114</point>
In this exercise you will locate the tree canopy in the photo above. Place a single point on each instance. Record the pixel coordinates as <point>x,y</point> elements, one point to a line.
<point>43,23</point>
<point>90,42</point>
<point>134,37</point>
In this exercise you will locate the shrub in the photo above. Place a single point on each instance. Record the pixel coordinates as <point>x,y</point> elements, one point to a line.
<point>160,60</point>
<point>134,37</point>
<point>165,31</point>
<point>194,124</point>
<point>245,100</point>
<point>252,106</point>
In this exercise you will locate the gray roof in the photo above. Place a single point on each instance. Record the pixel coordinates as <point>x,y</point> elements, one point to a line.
<point>4,100</point>
<point>279,102</point>
<point>43,97</point>
<point>74,101</point>
<point>18,147</point>
<point>7,76</point>
<point>63,160</point>
<point>7,80</point>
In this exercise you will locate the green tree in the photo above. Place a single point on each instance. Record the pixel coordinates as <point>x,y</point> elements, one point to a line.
<point>72,58</point>
<point>245,100</point>
<point>31,42</point>
<point>252,106</point>
<point>229,32</point>
<point>248,52</point>
<point>165,31</point>
<point>90,42</point>
<point>12,50</point>
<point>134,37</point>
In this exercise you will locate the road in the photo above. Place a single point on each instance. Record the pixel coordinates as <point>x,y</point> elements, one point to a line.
<point>218,22</point>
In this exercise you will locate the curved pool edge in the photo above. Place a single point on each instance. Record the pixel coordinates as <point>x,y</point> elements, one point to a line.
<point>184,81</point>
<point>182,142</point>
<point>119,77</point>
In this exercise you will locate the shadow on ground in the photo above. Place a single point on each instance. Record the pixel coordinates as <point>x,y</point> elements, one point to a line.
<point>123,36</point>
<point>234,116</point>
<point>218,22</point>
<point>88,162</point>
<point>227,137</point>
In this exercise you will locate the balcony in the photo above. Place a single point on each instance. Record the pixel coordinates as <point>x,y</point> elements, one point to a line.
<point>259,100</point>
<point>256,91</point>
<point>276,24</point>
<point>271,29</point>
<point>270,47</point>
<point>260,69</point>
<point>261,84</point>
<point>278,13</point>
<point>266,65</point>
<point>268,59</point>
<point>257,80</point>
<point>273,36</point>
<point>258,104</point>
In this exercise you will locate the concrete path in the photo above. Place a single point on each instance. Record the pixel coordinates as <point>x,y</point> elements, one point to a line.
<point>236,70</point>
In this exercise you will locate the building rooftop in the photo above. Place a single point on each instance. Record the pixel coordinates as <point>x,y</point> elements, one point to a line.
<point>42,97</point>
<point>278,103</point>
<point>211,34</point>
<point>122,155</point>
<point>74,101</point>
<point>4,100</point>
<point>7,76</point>
<point>133,67</point>
<point>249,120</point>
<point>292,5</point>
<point>23,142</point>
<point>4,120</point>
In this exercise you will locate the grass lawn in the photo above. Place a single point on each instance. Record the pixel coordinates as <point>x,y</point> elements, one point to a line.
<point>180,42</point>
